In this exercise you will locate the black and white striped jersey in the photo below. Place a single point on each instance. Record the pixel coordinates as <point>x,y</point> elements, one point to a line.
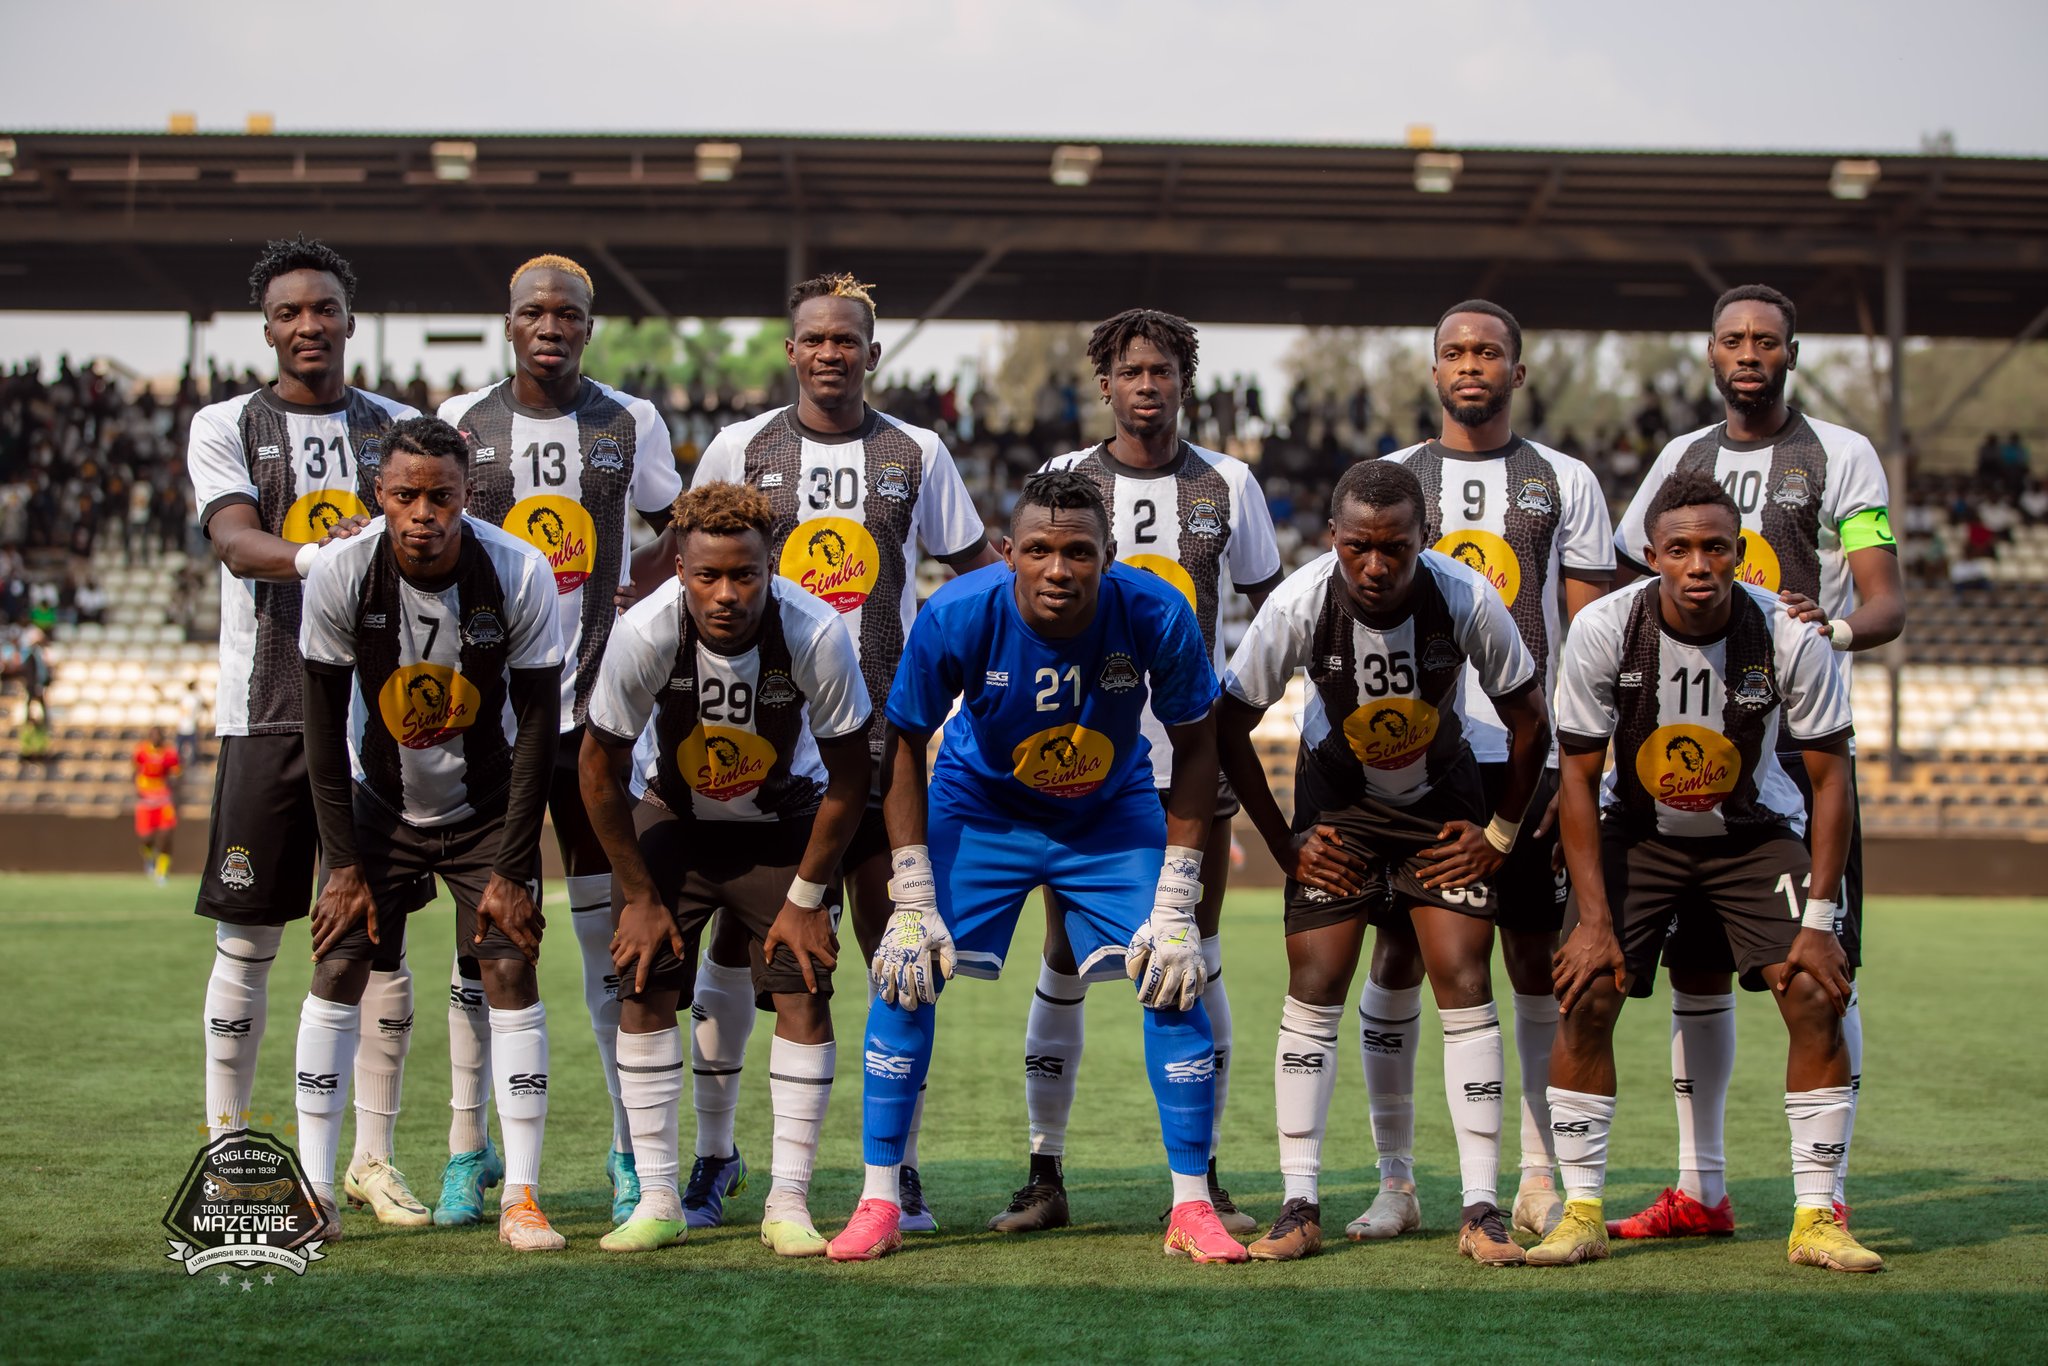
<point>1384,718</point>
<point>1187,522</point>
<point>1695,721</point>
<point>302,468</point>
<point>562,480</point>
<point>430,714</point>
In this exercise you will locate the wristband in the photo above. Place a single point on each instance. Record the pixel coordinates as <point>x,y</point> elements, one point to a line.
<point>303,561</point>
<point>1183,860</point>
<point>1839,634</point>
<point>910,874</point>
<point>1820,915</point>
<point>1501,832</point>
<point>809,895</point>
<point>1180,880</point>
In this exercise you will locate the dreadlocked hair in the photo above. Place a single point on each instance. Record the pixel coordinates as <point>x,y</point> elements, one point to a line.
<point>287,254</point>
<point>722,509</point>
<point>838,285</point>
<point>1067,490</point>
<point>1167,331</point>
<point>550,261</point>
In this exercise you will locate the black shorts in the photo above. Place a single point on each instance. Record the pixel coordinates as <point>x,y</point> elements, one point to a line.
<point>1530,896</point>
<point>1698,945</point>
<point>1750,889</point>
<point>870,838</point>
<point>1391,837</point>
<point>264,839</point>
<point>742,867</point>
<point>1227,804</point>
<point>394,856</point>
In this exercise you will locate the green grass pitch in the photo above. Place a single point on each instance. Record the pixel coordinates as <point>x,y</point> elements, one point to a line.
<point>100,1077</point>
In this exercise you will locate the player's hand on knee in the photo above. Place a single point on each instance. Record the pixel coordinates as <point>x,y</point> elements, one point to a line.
<point>1818,953</point>
<point>807,933</point>
<point>510,906</point>
<point>1463,856</point>
<point>1588,954</point>
<point>644,924</point>
<point>344,903</point>
<point>1319,858</point>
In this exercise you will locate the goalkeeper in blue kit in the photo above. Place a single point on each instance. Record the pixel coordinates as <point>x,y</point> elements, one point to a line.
<point>1044,779</point>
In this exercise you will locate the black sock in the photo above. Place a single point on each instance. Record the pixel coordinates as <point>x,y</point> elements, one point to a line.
<point>1045,1170</point>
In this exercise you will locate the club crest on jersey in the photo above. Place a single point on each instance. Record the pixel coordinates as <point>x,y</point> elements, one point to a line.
<point>560,529</point>
<point>1204,519</point>
<point>424,705</point>
<point>1794,490</point>
<point>1688,767</point>
<point>1535,496</point>
<point>370,451</point>
<point>237,870</point>
<point>483,630</point>
<point>1119,674</point>
<point>1755,689</point>
<point>891,481</point>
<point>776,690</point>
<point>605,454</point>
<point>1065,761</point>
<point>1440,656</point>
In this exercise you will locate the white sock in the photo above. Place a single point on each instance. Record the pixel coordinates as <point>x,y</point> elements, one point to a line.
<point>1190,1186</point>
<point>1217,1002</point>
<point>1702,1064</point>
<point>237,1008</point>
<point>1579,1121</point>
<point>1304,1076</point>
<point>326,1057</point>
<point>1820,1137</point>
<point>1475,1073</point>
<point>651,1083</point>
<point>469,1062</point>
<point>386,1032</point>
<point>722,1016</point>
<point>1852,1039</point>
<point>1053,1036</point>
<point>1386,1042</point>
<point>799,1089</point>
<point>884,1183</point>
<point>590,913</point>
<point>519,1040</point>
<point>916,1123</point>
<point>1535,1032</point>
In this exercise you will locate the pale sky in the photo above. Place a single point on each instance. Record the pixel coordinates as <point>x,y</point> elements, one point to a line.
<point>1871,76</point>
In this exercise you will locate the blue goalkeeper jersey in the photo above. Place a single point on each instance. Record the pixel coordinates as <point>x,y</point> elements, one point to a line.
<point>1050,728</point>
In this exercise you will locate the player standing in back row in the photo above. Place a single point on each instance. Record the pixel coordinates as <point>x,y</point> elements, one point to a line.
<point>1817,531</point>
<point>1183,513</point>
<point>1525,516</point>
<point>854,492</point>
<point>276,475</point>
<point>557,459</point>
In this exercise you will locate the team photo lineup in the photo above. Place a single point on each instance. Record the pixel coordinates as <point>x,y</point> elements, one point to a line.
<point>772,773</point>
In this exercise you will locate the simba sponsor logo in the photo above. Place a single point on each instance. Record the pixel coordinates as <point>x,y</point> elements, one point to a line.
<point>424,705</point>
<point>1688,767</point>
<point>1065,761</point>
<point>833,559</point>
<point>1493,558</point>
<point>562,531</point>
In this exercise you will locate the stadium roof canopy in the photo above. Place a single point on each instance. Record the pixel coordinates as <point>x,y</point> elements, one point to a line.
<point>978,228</point>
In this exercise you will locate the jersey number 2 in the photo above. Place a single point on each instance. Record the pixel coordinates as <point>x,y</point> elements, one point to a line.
<point>1049,683</point>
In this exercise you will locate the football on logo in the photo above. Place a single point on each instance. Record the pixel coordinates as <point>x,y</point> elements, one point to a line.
<point>1492,557</point>
<point>560,529</point>
<point>1759,567</point>
<point>724,764</point>
<point>832,558</point>
<point>1687,767</point>
<point>316,512</point>
<point>1169,570</point>
<point>1065,761</point>
<point>1391,732</point>
<point>424,705</point>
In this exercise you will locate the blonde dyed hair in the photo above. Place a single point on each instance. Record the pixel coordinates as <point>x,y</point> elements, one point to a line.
<point>549,261</point>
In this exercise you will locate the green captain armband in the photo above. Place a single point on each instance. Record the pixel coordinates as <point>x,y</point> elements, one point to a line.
<point>1872,526</point>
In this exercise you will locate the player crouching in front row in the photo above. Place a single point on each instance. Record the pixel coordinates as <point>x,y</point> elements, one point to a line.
<point>750,782</point>
<point>1043,778</point>
<point>1690,678</point>
<point>431,645</point>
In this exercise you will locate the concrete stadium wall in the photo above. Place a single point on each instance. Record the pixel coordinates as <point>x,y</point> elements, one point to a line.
<point>1903,867</point>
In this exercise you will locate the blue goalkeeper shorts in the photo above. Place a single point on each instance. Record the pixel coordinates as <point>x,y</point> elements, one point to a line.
<point>1104,868</point>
